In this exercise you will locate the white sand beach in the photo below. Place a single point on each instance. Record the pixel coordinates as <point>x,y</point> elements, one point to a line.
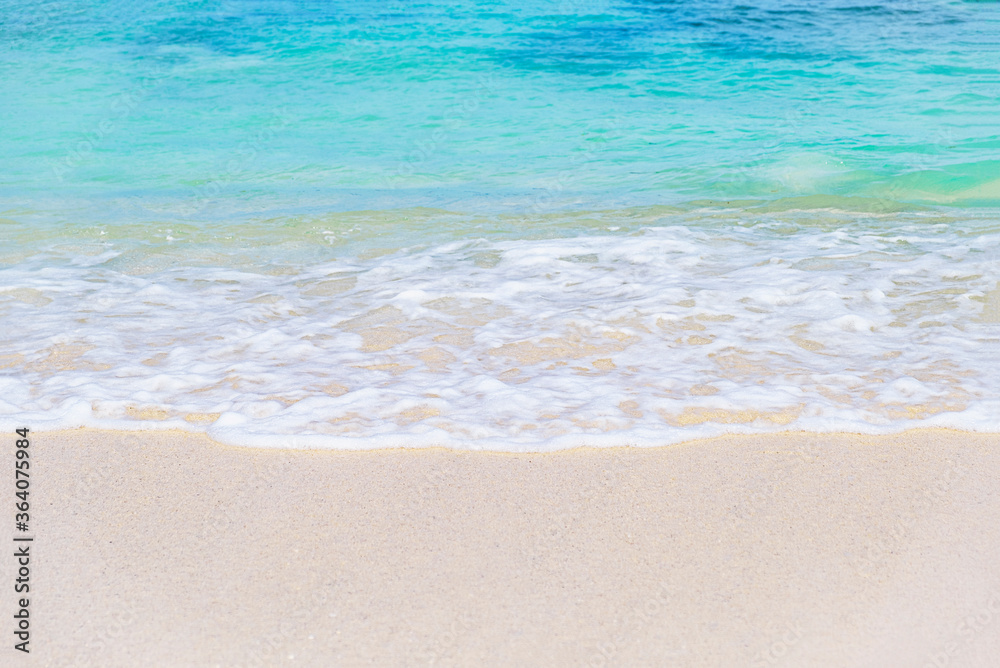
<point>167,549</point>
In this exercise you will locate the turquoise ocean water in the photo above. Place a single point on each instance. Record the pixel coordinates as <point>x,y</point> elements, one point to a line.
<point>513,225</point>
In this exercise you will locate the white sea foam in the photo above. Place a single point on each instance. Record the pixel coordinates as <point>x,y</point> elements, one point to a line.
<point>640,337</point>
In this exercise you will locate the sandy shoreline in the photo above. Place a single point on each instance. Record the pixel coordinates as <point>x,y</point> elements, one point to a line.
<point>167,549</point>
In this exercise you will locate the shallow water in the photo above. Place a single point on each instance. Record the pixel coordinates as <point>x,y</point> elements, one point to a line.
<point>499,224</point>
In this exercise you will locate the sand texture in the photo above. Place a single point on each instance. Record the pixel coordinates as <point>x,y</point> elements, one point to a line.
<point>166,549</point>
